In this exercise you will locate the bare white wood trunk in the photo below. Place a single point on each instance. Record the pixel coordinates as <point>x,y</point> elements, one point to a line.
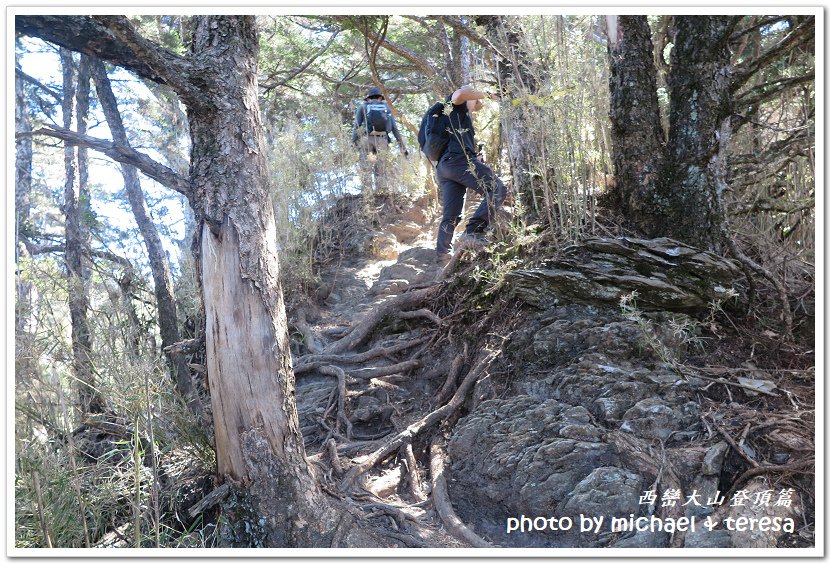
<point>246,355</point>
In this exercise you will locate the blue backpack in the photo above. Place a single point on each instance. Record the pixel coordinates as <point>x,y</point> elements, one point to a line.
<point>434,133</point>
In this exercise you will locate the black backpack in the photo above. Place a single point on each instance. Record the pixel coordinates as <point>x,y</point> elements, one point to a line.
<point>434,133</point>
<point>377,116</point>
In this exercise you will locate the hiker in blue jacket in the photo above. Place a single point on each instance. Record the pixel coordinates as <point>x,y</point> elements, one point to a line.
<point>372,124</point>
<point>460,168</point>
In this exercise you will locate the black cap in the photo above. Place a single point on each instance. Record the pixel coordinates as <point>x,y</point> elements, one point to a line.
<point>374,92</point>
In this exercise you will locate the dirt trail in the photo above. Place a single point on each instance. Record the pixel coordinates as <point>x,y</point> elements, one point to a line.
<point>564,405</point>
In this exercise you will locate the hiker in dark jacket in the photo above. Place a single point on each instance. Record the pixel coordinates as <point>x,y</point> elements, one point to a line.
<point>372,124</point>
<point>459,169</point>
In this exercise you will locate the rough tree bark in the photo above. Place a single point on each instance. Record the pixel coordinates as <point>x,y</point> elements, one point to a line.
<point>638,139</point>
<point>76,243</point>
<point>163,280</point>
<point>674,190</point>
<point>517,82</point>
<point>26,293</point>
<point>695,168</point>
<point>258,441</point>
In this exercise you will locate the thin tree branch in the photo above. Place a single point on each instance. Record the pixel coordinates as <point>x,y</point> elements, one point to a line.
<point>36,250</point>
<point>147,165</point>
<point>770,89</point>
<point>423,65</point>
<point>296,72</point>
<point>793,40</point>
<point>372,53</point>
<point>32,80</point>
<point>461,27</point>
<point>768,21</point>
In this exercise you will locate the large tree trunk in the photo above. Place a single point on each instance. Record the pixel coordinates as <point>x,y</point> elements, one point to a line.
<point>76,243</point>
<point>163,280</point>
<point>25,319</point>
<point>695,170</point>
<point>638,139</point>
<point>251,379</point>
<point>26,292</point>
<point>258,440</point>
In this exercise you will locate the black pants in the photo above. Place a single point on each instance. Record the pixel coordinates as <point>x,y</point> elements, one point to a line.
<point>456,173</point>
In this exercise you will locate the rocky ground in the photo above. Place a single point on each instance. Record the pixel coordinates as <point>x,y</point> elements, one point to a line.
<point>444,403</point>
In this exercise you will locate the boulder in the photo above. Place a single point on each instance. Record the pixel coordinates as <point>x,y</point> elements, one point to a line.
<point>414,266</point>
<point>520,456</point>
<point>405,231</point>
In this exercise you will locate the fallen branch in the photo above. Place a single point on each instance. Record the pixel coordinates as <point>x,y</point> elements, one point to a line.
<point>441,501</point>
<point>731,441</point>
<point>406,435</point>
<point>213,498</point>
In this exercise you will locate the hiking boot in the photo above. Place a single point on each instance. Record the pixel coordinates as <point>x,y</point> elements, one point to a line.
<point>443,259</point>
<point>472,240</point>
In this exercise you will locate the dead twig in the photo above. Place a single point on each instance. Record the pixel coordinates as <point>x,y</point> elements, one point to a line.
<point>213,498</point>
<point>786,311</point>
<point>734,384</point>
<point>441,501</point>
<point>731,441</point>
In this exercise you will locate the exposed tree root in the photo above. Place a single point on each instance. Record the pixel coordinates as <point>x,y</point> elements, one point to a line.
<point>309,338</point>
<point>312,362</point>
<point>441,501</point>
<point>371,373</point>
<point>404,437</point>
<point>421,314</point>
<point>361,330</point>
<point>334,459</point>
<point>455,369</point>
<point>803,466</point>
<point>341,398</point>
<point>415,485</point>
<point>407,539</point>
